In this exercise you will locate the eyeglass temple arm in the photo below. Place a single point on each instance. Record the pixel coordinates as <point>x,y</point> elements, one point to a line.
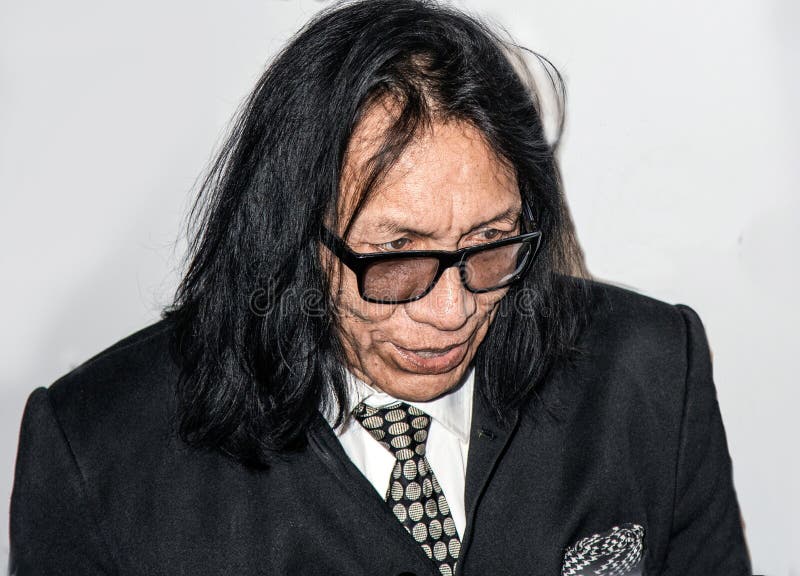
<point>528,216</point>
<point>337,246</point>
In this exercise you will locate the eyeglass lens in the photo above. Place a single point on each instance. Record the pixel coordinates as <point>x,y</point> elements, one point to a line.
<point>408,278</point>
<point>496,267</point>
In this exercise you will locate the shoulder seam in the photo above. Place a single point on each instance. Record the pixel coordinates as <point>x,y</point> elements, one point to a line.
<point>84,483</point>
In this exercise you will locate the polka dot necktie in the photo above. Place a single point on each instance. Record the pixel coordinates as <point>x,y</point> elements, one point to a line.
<point>414,493</point>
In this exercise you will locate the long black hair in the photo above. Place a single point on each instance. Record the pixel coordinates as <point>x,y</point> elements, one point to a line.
<point>259,352</point>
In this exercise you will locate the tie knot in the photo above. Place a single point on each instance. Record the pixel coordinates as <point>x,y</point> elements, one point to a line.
<point>400,427</point>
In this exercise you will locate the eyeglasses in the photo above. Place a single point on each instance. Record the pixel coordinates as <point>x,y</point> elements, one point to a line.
<point>400,277</point>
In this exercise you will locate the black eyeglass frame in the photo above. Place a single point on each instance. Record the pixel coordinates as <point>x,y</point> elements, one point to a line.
<point>358,262</point>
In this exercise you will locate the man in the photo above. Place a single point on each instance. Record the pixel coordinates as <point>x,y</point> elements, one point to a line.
<point>383,357</point>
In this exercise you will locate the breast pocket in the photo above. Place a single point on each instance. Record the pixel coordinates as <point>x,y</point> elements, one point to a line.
<point>617,552</point>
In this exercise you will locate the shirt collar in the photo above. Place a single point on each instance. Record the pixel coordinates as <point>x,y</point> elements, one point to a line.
<point>452,410</point>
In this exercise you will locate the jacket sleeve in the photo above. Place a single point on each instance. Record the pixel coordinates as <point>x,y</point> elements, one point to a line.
<point>52,528</point>
<point>707,536</point>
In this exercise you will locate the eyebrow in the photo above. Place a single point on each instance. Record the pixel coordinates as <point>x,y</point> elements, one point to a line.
<point>391,226</point>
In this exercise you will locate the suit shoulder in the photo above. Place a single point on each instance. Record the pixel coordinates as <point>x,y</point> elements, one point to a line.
<point>638,333</point>
<point>620,303</point>
<point>632,364</point>
<point>618,312</point>
<point>119,389</point>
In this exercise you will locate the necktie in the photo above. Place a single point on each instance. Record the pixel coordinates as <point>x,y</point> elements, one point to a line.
<point>414,493</point>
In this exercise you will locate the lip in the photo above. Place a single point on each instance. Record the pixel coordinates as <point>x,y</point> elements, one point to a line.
<point>449,358</point>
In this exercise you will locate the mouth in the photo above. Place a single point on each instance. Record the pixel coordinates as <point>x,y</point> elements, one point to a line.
<point>431,360</point>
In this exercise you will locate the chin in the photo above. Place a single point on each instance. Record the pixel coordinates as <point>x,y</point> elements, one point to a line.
<point>422,388</point>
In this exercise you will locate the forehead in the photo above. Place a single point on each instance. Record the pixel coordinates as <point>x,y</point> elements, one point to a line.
<point>445,182</point>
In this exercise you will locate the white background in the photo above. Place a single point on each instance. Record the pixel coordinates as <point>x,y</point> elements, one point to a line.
<point>680,164</point>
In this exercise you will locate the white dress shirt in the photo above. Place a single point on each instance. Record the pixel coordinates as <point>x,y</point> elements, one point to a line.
<point>446,449</point>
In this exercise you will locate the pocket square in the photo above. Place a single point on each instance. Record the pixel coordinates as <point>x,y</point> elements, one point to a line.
<point>614,553</point>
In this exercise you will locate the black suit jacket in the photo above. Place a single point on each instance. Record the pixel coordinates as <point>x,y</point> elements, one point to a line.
<point>628,434</point>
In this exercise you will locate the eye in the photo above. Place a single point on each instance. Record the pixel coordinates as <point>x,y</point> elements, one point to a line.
<point>393,245</point>
<point>490,234</point>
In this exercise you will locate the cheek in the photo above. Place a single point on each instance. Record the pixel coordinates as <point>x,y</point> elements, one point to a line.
<point>486,311</point>
<point>488,303</point>
<point>362,323</point>
<point>487,306</point>
<point>353,308</point>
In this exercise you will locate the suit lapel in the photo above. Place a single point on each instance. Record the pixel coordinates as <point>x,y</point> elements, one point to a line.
<point>323,442</point>
<point>487,443</point>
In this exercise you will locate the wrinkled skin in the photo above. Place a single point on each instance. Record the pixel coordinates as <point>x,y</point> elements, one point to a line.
<point>447,191</point>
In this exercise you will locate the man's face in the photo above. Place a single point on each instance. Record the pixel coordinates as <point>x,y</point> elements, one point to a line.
<point>447,191</point>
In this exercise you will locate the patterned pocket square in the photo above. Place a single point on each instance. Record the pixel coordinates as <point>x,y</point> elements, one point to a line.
<point>615,553</point>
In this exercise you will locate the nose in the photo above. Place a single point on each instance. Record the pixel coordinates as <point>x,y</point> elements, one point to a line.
<point>447,306</point>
